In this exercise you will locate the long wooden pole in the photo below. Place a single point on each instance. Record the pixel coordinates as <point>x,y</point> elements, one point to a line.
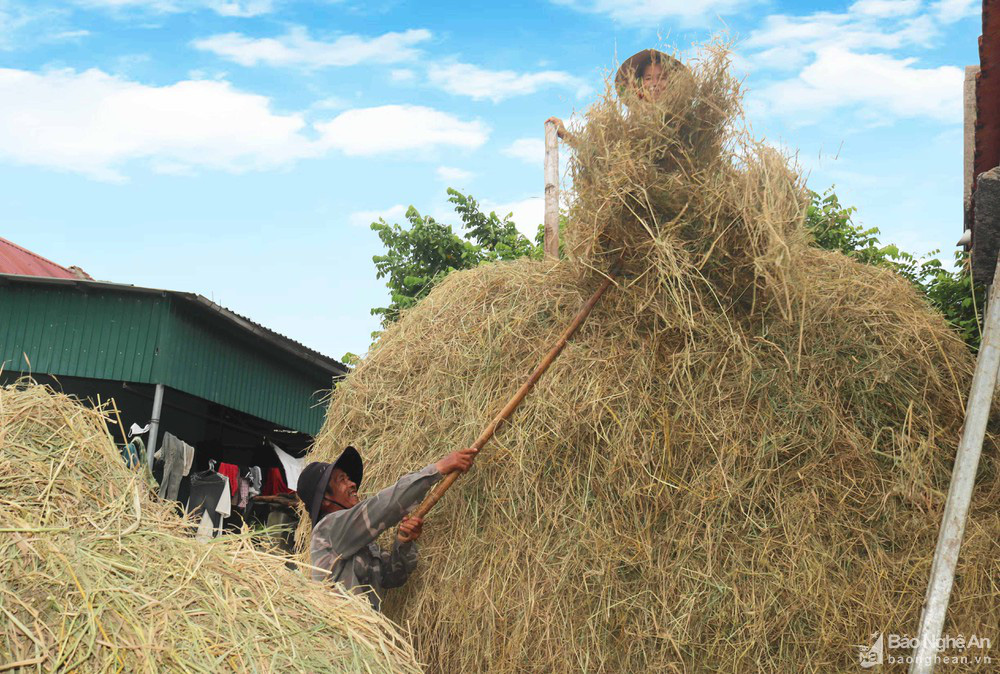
<point>551,243</point>
<point>512,405</point>
<point>963,478</point>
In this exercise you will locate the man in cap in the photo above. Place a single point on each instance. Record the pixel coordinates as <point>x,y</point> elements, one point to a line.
<point>345,528</point>
<point>646,73</point>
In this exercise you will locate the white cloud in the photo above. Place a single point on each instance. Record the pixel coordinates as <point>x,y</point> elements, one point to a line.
<point>527,213</point>
<point>94,123</point>
<point>786,42</point>
<point>530,150</point>
<point>91,122</point>
<point>465,79</point>
<point>393,128</point>
<point>393,214</point>
<point>402,75</point>
<point>239,8</point>
<point>950,11</point>
<point>646,11</point>
<point>885,8</point>
<point>450,173</point>
<point>882,87</point>
<point>296,48</point>
<point>22,24</point>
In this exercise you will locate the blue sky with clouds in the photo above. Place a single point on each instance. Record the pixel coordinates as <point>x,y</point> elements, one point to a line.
<point>239,148</point>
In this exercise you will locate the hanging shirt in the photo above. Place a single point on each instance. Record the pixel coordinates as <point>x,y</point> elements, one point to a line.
<point>343,542</point>
<point>293,466</point>
<point>210,494</point>
<point>275,484</point>
<point>233,473</point>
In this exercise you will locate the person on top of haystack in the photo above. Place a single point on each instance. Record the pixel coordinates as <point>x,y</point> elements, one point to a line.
<point>345,528</point>
<point>646,73</point>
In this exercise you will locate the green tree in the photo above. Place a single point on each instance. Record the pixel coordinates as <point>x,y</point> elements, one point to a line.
<point>950,292</point>
<point>417,257</point>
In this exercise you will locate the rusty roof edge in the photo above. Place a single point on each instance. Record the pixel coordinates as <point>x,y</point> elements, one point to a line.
<point>297,349</point>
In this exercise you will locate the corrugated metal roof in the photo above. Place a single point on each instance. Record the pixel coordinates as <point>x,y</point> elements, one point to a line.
<point>17,260</point>
<point>242,323</point>
<point>93,329</point>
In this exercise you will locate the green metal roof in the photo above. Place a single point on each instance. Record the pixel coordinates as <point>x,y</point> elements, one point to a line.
<point>184,341</point>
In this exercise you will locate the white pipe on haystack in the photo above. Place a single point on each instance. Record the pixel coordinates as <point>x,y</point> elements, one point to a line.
<point>963,478</point>
<point>551,245</point>
<point>154,424</point>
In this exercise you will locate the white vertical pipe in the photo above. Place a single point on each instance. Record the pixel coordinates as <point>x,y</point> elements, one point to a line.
<point>154,424</point>
<point>963,478</point>
<point>551,245</point>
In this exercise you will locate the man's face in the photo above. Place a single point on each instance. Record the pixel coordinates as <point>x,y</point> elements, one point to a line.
<point>339,492</point>
<point>653,81</point>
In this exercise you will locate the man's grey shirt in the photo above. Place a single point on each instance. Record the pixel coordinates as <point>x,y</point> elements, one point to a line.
<point>344,541</point>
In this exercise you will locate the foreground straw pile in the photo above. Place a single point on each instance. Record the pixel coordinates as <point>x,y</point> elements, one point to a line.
<point>97,577</point>
<point>738,465</point>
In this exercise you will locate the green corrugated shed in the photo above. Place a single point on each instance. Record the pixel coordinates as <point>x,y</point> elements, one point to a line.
<point>183,341</point>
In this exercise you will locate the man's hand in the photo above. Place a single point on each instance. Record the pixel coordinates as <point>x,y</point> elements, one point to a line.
<point>410,529</point>
<point>459,461</point>
<point>560,127</point>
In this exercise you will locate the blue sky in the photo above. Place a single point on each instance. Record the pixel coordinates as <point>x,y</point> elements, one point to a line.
<point>239,148</point>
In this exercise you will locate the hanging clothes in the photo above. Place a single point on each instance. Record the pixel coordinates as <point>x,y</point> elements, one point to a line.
<point>275,484</point>
<point>256,480</point>
<point>131,454</point>
<point>174,457</point>
<point>293,466</point>
<point>233,473</point>
<point>210,496</point>
<point>243,499</point>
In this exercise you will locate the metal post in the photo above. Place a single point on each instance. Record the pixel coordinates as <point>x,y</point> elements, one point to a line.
<point>963,477</point>
<point>154,424</point>
<point>551,245</point>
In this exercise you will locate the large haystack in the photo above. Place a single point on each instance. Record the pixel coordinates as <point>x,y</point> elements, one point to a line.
<point>738,465</point>
<point>95,576</point>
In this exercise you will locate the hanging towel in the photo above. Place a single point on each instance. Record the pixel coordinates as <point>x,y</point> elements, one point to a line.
<point>233,473</point>
<point>293,467</point>
<point>275,484</point>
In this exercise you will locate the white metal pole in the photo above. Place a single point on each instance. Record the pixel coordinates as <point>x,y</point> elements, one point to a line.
<point>551,245</point>
<point>963,478</point>
<point>154,425</point>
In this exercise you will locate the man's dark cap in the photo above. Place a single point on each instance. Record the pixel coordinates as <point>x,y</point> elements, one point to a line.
<point>316,476</point>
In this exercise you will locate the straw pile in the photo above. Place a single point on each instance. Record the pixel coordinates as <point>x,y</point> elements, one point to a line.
<point>95,576</point>
<point>738,465</point>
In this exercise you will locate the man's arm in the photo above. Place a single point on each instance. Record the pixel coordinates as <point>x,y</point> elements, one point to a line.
<point>347,531</point>
<point>398,564</point>
<point>341,534</point>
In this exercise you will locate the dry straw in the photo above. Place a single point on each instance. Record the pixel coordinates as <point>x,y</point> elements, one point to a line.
<point>96,576</point>
<point>739,463</point>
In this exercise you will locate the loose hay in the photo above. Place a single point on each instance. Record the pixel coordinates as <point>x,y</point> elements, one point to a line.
<point>738,465</point>
<point>95,576</point>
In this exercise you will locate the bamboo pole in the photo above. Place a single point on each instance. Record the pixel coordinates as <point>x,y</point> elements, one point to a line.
<point>963,479</point>
<point>522,392</point>
<point>551,245</point>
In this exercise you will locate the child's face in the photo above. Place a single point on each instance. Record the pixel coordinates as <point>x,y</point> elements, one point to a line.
<point>654,81</point>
